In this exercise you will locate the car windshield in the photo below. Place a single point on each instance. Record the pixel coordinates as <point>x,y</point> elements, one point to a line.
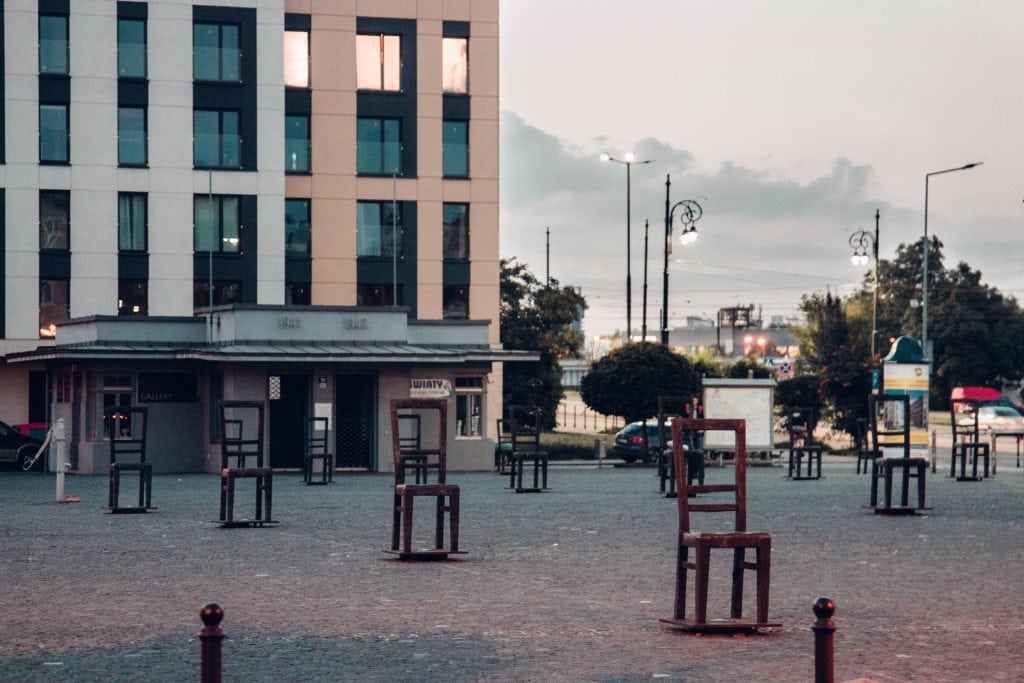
<point>1005,412</point>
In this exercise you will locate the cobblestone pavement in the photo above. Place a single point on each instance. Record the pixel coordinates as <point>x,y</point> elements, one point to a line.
<point>562,586</point>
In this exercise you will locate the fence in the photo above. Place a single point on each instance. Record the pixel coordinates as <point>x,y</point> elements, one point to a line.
<point>576,416</point>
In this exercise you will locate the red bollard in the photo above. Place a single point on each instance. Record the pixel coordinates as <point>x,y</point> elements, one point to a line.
<point>824,630</point>
<point>211,637</point>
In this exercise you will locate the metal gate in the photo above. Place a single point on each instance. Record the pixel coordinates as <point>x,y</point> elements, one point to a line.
<point>289,395</point>
<point>355,423</point>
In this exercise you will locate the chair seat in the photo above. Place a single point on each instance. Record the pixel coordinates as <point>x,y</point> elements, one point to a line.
<point>730,539</point>
<point>425,489</point>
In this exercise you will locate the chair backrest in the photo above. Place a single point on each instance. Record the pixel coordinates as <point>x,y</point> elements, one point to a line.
<point>524,423</point>
<point>668,408</point>
<point>410,431</point>
<point>963,416</point>
<point>317,435</point>
<point>241,430</point>
<point>736,492</point>
<point>127,432</point>
<point>886,430</point>
<point>437,456</point>
<point>801,423</point>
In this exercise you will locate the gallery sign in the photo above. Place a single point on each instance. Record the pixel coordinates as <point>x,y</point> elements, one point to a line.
<point>430,388</point>
<point>167,387</point>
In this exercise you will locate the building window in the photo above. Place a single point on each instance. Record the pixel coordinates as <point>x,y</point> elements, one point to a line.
<point>296,227</point>
<point>378,62</point>
<point>108,391</point>
<point>379,146</point>
<point>215,52</point>
<point>216,224</point>
<point>296,294</point>
<point>131,48</point>
<point>53,44</point>
<point>455,64</point>
<point>131,136</point>
<point>456,231</point>
<point>296,143</point>
<point>455,302</point>
<point>296,59</point>
<point>132,297</point>
<point>131,221</point>
<point>54,305</point>
<point>455,149</point>
<point>216,141</point>
<point>224,292</point>
<point>378,294</point>
<point>54,220</point>
<point>379,229</point>
<point>53,133</point>
<point>469,394</point>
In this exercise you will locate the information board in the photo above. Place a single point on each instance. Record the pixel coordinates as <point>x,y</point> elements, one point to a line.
<point>752,400</point>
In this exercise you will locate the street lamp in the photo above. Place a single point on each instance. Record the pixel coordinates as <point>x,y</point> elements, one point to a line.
<point>924,274</point>
<point>689,213</point>
<point>860,241</point>
<point>628,163</point>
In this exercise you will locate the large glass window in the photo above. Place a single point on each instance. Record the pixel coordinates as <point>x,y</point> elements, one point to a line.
<point>378,62</point>
<point>216,141</point>
<point>378,229</point>
<point>53,44</point>
<point>131,48</point>
<point>469,394</point>
<point>378,146</point>
<point>296,227</point>
<point>54,220</point>
<point>456,231</point>
<point>296,59</point>
<point>131,136</point>
<point>378,294</point>
<point>132,297</point>
<point>53,133</point>
<point>296,143</point>
<point>131,221</point>
<point>455,149</point>
<point>455,65</point>
<point>455,302</point>
<point>216,224</point>
<point>54,305</point>
<point>215,52</point>
<point>224,292</point>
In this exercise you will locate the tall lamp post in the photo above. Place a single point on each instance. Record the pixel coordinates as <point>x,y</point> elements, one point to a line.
<point>924,274</point>
<point>689,213</point>
<point>861,241</point>
<point>628,163</point>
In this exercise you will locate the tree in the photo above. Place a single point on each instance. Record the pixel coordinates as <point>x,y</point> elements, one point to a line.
<point>629,380</point>
<point>542,318</point>
<point>747,367</point>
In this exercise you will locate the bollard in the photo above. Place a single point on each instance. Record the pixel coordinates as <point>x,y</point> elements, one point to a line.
<point>60,448</point>
<point>211,637</point>
<point>824,630</point>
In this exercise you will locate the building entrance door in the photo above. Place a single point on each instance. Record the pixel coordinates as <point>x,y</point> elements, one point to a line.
<point>355,421</point>
<point>289,396</point>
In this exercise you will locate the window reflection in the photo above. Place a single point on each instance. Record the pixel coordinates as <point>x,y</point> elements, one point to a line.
<point>296,59</point>
<point>378,62</point>
<point>455,63</point>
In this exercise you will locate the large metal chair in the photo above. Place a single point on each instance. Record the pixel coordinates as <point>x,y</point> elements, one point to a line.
<point>127,427</point>
<point>893,431</point>
<point>318,452</point>
<point>702,543</point>
<point>413,456</point>
<point>967,442</point>
<point>524,432</point>
<point>237,442</point>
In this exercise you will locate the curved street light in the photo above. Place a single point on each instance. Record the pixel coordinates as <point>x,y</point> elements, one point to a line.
<point>859,242</point>
<point>689,213</point>
<point>630,159</point>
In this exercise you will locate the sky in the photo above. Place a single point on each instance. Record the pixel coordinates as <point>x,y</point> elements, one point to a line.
<point>791,122</point>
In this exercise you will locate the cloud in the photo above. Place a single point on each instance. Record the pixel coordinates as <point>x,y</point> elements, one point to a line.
<point>764,237</point>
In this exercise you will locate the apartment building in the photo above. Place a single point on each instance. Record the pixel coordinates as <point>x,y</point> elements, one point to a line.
<point>289,201</point>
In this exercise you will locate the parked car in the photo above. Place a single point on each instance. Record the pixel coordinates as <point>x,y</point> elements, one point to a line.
<point>629,442</point>
<point>993,419</point>
<point>17,448</point>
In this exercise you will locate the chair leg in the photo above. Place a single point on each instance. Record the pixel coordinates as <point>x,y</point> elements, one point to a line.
<point>407,504</point>
<point>439,524</point>
<point>682,560</point>
<point>396,522</point>
<point>738,558</point>
<point>763,562</point>
<point>453,518</point>
<point>700,606</point>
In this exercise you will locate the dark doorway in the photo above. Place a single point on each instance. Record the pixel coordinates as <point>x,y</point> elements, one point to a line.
<point>37,396</point>
<point>355,423</point>
<point>289,396</point>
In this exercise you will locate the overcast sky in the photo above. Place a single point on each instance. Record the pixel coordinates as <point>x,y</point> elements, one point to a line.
<point>790,121</point>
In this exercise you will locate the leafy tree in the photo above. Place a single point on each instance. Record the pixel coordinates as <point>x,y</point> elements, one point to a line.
<point>629,380</point>
<point>747,367</point>
<point>801,391</point>
<point>543,318</point>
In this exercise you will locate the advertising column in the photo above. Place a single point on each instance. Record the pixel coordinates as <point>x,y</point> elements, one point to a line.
<point>905,371</point>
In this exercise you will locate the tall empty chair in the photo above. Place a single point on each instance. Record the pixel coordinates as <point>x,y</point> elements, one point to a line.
<point>242,439</point>
<point>128,454</point>
<point>318,463</point>
<point>422,459</point>
<point>731,497</point>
